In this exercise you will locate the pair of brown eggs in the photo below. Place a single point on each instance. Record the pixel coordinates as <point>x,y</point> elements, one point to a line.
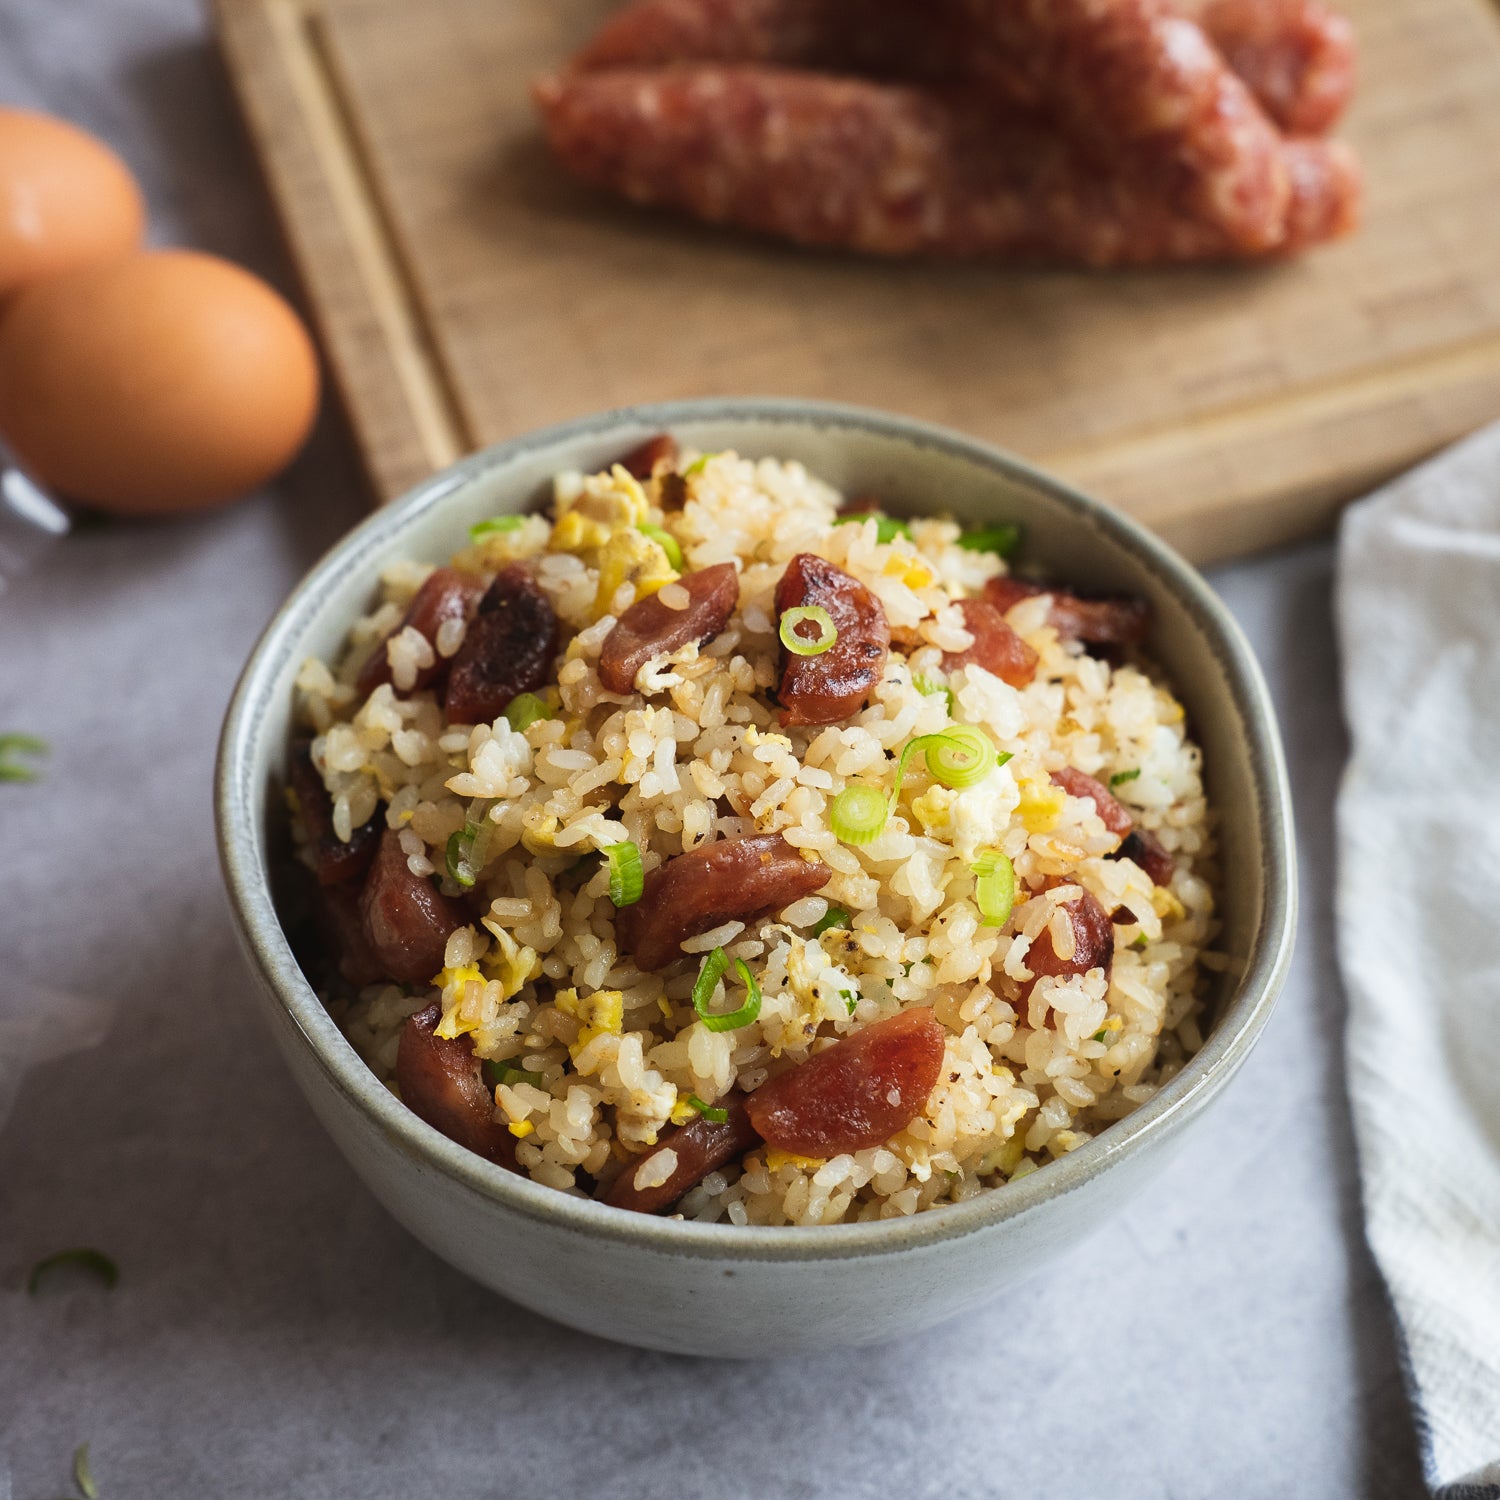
<point>140,382</point>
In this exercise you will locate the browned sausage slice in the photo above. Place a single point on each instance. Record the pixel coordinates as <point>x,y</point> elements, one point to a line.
<point>858,1093</point>
<point>648,628</point>
<point>406,918</point>
<point>642,460</point>
<point>1148,852</point>
<point>508,649</point>
<point>341,931</point>
<point>1093,943</point>
<point>1077,784</point>
<point>334,861</point>
<point>1112,620</point>
<point>440,1080</point>
<point>446,595</point>
<point>702,1146</point>
<point>997,648</point>
<point>696,891</point>
<point>836,683</point>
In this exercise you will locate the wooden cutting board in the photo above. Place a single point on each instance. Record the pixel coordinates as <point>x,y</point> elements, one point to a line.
<point>467,291</point>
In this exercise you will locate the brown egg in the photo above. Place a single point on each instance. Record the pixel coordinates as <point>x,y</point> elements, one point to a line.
<point>66,200</point>
<point>165,382</point>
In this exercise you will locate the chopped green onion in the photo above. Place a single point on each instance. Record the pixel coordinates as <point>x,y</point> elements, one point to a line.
<point>1121,777</point>
<point>524,710</point>
<point>710,1112</point>
<point>84,1259</point>
<point>858,813</point>
<point>465,851</point>
<point>795,635</point>
<point>19,744</point>
<point>495,526</point>
<point>456,856</point>
<point>1099,1035</point>
<point>1003,756</point>
<point>496,1073</point>
<point>714,968</point>
<point>961,757</point>
<point>666,541</point>
<point>84,1476</point>
<point>887,528</point>
<point>698,465</point>
<point>1001,540</point>
<point>994,887</point>
<point>626,878</point>
<point>928,686</point>
<point>850,999</point>
<point>835,916</point>
<point>1138,943</point>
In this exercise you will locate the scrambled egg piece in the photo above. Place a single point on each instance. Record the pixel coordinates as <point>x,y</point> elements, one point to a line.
<point>508,961</point>
<point>1041,806</point>
<point>599,1014</point>
<point>454,983</point>
<point>776,1160</point>
<point>912,571</point>
<point>630,556</point>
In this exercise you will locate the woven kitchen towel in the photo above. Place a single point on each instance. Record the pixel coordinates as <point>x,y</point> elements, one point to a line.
<point>1419,931</point>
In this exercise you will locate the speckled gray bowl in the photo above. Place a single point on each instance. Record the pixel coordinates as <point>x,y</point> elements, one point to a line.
<point>713,1289</point>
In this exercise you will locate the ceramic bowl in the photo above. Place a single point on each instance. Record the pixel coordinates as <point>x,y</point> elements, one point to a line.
<point>714,1289</point>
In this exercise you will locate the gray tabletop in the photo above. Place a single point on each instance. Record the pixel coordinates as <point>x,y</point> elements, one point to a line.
<point>275,1333</point>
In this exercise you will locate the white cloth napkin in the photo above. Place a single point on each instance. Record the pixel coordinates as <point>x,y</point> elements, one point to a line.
<point>1419,931</point>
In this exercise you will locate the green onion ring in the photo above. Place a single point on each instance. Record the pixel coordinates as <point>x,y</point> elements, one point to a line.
<point>666,541</point>
<point>858,814</point>
<point>800,644</point>
<point>994,887</point>
<point>495,526</point>
<point>714,968</point>
<point>626,877</point>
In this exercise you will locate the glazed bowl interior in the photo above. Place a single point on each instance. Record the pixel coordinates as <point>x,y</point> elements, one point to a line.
<point>913,469</point>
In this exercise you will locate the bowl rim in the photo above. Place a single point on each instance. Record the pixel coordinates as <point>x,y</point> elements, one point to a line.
<point>1181,1098</point>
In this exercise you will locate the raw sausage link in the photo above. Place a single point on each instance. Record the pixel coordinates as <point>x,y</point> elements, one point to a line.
<point>1111,813</point>
<point>406,918</point>
<point>1112,620</point>
<point>446,594</point>
<point>508,649</point>
<point>1298,57</point>
<point>648,628</point>
<point>836,683</point>
<point>856,165</point>
<point>440,1080</point>
<point>1093,943</point>
<point>1133,79</point>
<point>334,861</point>
<point>701,1146</point>
<point>696,891</point>
<point>856,1094</point>
<point>642,460</point>
<point>1328,192</point>
<point>997,648</point>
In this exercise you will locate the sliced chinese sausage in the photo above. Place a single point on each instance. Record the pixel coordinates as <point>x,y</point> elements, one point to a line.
<point>1093,943</point>
<point>1111,814</point>
<point>997,648</point>
<point>334,860</point>
<point>341,931</point>
<point>446,595</point>
<point>649,628</point>
<point>441,1080</point>
<point>1143,846</point>
<point>508,648</point>
<point>856,1094</point>
<point>835,683</point>
<point>696,891</point>
<point>1110,620</point>
<point>701,1146</point>
<point>1139,844</point>
<point>642,460</point>
<point>407,920</point>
